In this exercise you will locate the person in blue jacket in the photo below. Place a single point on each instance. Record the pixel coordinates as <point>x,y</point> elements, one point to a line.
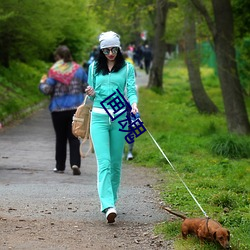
<point>108,77</point>
<point>65,83</point>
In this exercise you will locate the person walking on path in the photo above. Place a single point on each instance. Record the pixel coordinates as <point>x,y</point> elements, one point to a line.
<point>65,84</point>
<point>108,74</point>
<point>130,145</point>
<point>147,54</point>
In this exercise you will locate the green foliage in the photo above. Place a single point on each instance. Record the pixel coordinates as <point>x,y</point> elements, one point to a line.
<point>241,17</point>
<point>19,87</point>
<point>170,230</point>
<point>224,200</point>
<point>231,146</point>
<point>128,18</point>
<point>243,59</point>
<point>175,25</point>
<point>28,33</point>
<point>176,18</point>
<point>219,183</point>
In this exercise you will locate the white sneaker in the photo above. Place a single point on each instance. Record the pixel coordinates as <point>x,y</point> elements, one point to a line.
<point>58,171</point>
<point>111,214</point>
<point>130,156</point>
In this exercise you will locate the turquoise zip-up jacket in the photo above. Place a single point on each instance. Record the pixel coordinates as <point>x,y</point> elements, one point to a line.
<point>106,85</point>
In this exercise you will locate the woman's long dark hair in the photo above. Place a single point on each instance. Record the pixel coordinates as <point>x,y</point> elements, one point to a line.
<point>102,67</point>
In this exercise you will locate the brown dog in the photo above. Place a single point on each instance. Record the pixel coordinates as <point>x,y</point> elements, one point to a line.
<point>204,229</point>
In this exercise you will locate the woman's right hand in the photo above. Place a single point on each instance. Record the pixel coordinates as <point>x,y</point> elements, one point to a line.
<point>90,91</point>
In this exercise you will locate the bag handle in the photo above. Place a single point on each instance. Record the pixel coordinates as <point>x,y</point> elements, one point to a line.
<point>85,139</point>
<point>85,99</point>
<point>91,148</point>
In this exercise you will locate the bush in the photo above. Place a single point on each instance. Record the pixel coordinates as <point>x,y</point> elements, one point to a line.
<point>231,146</point>
<point>224,200</point>
<point>19,88</point>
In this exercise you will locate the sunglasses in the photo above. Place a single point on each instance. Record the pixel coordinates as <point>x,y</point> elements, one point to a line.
<point>106,51</point>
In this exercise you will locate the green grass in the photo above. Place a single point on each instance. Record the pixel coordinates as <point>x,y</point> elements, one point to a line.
<point>214,164</point>
<point>19,88</point>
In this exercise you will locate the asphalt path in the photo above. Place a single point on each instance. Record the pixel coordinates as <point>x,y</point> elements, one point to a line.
<point>26,164</point>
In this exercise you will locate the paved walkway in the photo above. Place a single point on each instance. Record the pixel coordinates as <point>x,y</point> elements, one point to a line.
<point>141,78</point>
<point>26,163</point>
<point>29,189</point>
<point>27,158</point>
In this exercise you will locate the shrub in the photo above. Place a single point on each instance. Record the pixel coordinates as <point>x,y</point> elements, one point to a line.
<point>231,146</point>
<point>223,200</point>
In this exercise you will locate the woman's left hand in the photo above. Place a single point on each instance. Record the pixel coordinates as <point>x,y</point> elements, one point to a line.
<point>90,91</point>
<point>134,109</point>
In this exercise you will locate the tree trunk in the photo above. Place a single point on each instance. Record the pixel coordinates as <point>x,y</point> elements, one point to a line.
<point>235,109</point>
<point>201,99</point>
<point>223,38</point>
<point>159,47</point>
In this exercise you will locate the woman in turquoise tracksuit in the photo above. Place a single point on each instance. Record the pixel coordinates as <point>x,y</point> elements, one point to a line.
<point>108,77</point>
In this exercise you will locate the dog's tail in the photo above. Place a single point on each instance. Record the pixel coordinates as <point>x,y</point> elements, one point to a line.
<point>175,213</point>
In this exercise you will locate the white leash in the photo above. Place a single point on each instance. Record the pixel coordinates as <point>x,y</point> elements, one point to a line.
<point>176,172</point>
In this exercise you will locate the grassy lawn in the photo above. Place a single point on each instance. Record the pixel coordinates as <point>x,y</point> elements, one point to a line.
<point>214,164</point>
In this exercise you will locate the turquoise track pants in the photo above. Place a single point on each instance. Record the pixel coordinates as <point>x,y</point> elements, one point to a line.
<point>108,144</point>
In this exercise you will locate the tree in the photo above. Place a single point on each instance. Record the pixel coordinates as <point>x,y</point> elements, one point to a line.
<point>242,33</point>
<point>201,99</point>
<point>159,46</point>
<point>241,17</point>
<point>28,33</point>
<point>126,17</point>
<point>223,38</point>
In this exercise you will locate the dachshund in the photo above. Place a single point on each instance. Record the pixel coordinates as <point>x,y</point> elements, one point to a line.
<point>204,229</point>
